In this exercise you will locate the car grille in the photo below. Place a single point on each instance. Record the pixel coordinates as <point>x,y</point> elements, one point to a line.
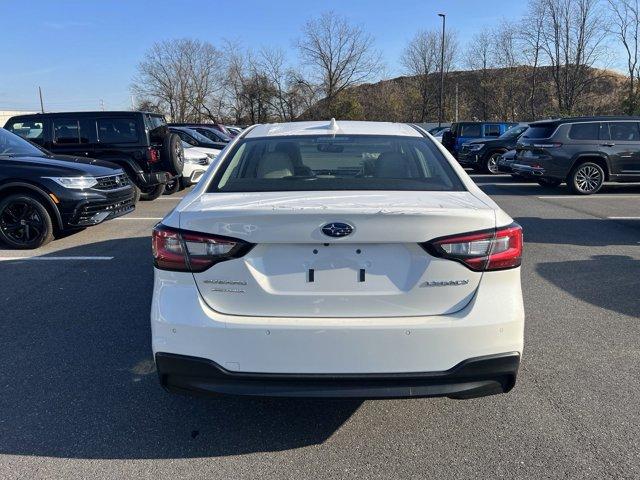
<point>114,209</point>
<point>112,182</point>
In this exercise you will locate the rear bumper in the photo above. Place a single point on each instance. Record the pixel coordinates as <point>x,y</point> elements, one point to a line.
<point>474,377</point>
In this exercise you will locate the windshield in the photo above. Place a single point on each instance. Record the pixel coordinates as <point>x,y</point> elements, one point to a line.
<point>11,144</point>
<point>513,132</point>
<point>341,162</point>
<point>213,135</point>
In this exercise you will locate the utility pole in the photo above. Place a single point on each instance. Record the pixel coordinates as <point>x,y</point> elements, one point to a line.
<point>102,105</point>
<point>133,103</point>
<point>456,103</point>
<point>41,102</point>
<point>444,21</point>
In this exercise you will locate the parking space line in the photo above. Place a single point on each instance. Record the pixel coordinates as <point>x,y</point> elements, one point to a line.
<point>623,218</point>
<point>588,197</point>
<point>170,198</point>
<point>139,218</point>
<point>85,258</point>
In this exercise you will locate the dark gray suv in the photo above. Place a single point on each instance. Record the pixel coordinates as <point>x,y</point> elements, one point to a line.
<point>583,152</point>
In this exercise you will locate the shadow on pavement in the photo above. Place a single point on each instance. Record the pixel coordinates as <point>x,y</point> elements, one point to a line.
<point>78,378</point>
<point>589,232</point>
<point>611,282</point>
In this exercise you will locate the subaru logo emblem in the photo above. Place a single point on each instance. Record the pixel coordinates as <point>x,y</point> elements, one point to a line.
<point>337,229</point>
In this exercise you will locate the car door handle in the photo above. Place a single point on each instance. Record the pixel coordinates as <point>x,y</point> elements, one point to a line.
<point>607,144</point>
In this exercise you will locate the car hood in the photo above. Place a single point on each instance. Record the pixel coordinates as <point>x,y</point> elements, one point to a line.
<point>66,165</point>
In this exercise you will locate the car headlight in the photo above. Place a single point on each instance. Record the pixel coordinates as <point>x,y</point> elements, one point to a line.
<point>474,147</point>
<point>75,182</point>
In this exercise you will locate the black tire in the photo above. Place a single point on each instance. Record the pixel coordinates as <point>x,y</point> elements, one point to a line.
<point>490,165</point>
<point>586,178</point>
<point>549,182</point>
<point>151,193</point>
<point>25,223</point>
<point>172,154</point>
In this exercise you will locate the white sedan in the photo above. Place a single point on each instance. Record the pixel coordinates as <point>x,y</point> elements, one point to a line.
<point>337,259</point>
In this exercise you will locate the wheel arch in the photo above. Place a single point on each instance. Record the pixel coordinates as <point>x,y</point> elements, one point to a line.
<point>592,157</point>
<point>10,188</point>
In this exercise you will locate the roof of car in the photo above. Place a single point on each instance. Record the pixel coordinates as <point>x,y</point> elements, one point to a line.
<point>601,118</point>
<point>332,127</point>
<point>101,113</point>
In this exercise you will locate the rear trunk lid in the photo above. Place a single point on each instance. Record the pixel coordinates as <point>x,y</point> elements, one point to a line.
<point>379,270</point>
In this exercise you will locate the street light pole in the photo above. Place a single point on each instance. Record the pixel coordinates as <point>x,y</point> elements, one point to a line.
<point>444,21</point>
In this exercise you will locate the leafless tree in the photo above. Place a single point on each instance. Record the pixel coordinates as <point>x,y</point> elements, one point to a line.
<point>179,76</point>
<point>572,40</point>
<point>624,25</point>
<point>421,59</point>
<point>507,55</point>
<point>530,38</point>
<point>338,54</point>
<point>479,58</point>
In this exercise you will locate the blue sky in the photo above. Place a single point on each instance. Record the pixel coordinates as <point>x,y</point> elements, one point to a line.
<point>80,52</point>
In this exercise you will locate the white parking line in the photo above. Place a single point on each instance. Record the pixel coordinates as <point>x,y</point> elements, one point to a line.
<point>589,197</point>
<point>169,198</point>
<point>623,218</point>
<point>139,218</point>
<point>6,259</point>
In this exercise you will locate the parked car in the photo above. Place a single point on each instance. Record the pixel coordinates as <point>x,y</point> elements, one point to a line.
<point>464,132</point>
<point>213,134</point>
<point>138,142</point>
<point>506,161</point>
<point>233,131</point>
<point>482,155</point>
<point>196,163</point>
<point>438,132</point>
<point>196,139</point>
<point>216,126</point>
<point>43,194</point>
<point>337,259</point>
<point>584,152</point>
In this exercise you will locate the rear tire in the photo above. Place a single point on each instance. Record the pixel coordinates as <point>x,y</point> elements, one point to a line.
<point>586,179</point>
<point>549,182</point>
<point>25,223</point>
<point>151,193</point>
<point>172,154</point>
<point>173,186</point>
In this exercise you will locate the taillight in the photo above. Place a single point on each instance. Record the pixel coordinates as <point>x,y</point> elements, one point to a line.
<point>495,249</point>
<point>153,156</point>
<point>186,251</point>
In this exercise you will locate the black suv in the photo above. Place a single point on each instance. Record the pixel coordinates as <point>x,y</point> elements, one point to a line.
<point>139,142</point>
<point>42,194</point>
<point>584,152</point>
<point>483,155</point>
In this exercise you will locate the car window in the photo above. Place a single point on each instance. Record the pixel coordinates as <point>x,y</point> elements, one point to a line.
<point>341,162</point>
<point>624,131</point>
<point>492,130</point>
<point>70,131</point>
<point>30,129</point>
<point>513,132</point>
<point>117,130</point>
<point>585,131</point>
<point>539,131</point>
<point>185,137</point>
<point>471,130</point>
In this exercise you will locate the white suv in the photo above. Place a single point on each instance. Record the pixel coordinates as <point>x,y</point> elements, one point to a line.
<point>337,259</point>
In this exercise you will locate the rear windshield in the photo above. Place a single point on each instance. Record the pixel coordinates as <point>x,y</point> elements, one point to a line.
<point>340,162</point>
<point>540,131</point>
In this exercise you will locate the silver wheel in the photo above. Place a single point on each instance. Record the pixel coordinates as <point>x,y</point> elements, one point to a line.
<point>588,178</point>
<point>492,163</point>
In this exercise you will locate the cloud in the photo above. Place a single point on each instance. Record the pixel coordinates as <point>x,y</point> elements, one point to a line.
<point>65,25</point>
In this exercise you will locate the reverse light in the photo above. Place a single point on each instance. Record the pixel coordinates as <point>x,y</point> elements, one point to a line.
<point>495,249</point>
<point>185,251</point>
<point>76,183</point>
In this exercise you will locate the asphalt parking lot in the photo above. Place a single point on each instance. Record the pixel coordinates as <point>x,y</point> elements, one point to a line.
<point>80,398</point>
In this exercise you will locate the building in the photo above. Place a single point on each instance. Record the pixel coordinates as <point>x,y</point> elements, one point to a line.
<point>7,114</point>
